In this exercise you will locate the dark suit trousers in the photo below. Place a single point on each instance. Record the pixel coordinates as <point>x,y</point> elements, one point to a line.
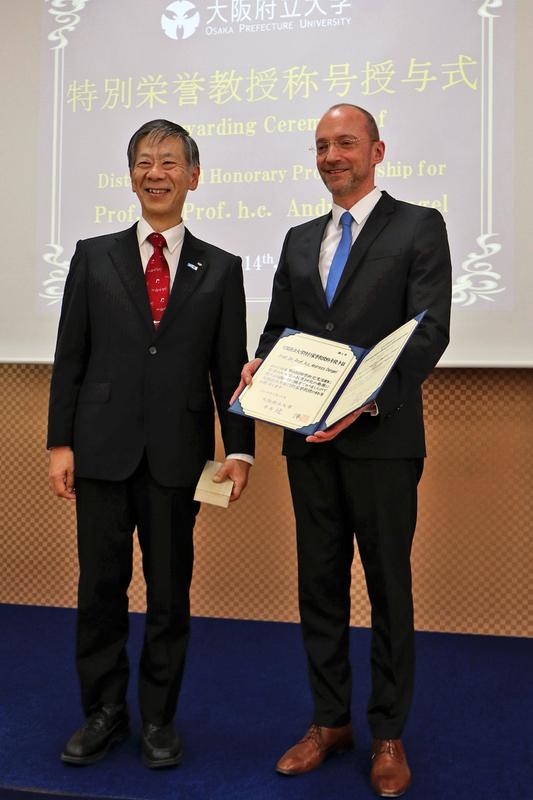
<point>107,513</point>
<point>335,497</point>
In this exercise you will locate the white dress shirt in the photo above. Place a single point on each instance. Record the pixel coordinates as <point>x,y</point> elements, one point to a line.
<point>174,238</point>
<point>332,235</point>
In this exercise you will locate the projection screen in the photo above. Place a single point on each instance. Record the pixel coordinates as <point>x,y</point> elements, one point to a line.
<point>249,79</point>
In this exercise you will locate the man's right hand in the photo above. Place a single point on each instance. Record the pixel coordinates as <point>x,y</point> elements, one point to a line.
<point>61,472</point>
<point>246,377</point>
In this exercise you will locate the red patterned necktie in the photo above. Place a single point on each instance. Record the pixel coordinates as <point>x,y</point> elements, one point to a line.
<point>157,278</point>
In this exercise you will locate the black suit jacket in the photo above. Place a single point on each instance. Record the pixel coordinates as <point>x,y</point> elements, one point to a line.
<point>398,266</point>
<point>119,388</point>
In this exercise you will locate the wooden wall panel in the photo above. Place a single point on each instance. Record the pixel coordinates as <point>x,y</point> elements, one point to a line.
<point>472,553</point>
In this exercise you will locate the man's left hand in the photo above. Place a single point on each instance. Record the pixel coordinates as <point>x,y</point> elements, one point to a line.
<point>238,471</point>
<point>338,427</point>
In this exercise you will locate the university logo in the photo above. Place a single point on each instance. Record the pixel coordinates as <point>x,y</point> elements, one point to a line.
<point>180,19</point>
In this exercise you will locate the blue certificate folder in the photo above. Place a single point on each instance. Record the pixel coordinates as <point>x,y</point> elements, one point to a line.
<point>307,383</point>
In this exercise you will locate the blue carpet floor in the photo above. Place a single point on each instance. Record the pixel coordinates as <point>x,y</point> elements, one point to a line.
<point>245,699</point>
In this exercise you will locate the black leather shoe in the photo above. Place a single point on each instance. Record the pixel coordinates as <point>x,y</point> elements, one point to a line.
<point>103,728</point>
<point>161,746</point>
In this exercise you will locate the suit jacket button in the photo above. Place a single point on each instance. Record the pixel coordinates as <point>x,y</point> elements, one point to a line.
<point>330,326</point>
<point>152,350</point>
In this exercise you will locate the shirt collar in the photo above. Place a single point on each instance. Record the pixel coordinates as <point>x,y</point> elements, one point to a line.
<point>173,236</point>
<point>360,210</point>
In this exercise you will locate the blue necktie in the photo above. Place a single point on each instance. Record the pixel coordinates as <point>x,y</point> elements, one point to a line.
<point>340,258</point>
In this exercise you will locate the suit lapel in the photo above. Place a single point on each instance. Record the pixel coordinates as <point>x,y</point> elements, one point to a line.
<point>379,217</point>
<point>126,258</point>
<point>310,247</point>
<point>191,271</point>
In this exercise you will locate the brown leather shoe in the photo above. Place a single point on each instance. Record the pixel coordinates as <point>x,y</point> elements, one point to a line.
<point>310,752</point>
<point>390,775</point>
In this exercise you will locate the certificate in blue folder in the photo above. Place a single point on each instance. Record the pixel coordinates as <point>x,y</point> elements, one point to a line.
<point>307,383</point>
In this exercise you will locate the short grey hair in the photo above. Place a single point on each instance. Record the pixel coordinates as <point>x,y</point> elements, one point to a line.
<point>159,129</point>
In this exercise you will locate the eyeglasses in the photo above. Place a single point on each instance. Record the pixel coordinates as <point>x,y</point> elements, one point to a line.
<point>344,144</point>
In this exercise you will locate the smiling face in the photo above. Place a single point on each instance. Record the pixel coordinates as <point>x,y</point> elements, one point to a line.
<point>346,156</point>
<point>161,178</point>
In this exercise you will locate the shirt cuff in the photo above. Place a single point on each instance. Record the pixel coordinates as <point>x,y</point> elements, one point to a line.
<point>373,410</point>
<point>242,457</point>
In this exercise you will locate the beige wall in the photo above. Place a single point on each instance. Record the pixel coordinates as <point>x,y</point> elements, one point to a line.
<point>472,555</point>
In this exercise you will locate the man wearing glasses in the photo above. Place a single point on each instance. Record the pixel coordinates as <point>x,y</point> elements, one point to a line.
<point>354,276</point>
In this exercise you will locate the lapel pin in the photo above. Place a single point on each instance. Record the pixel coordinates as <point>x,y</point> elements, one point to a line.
<point>194,266</point>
